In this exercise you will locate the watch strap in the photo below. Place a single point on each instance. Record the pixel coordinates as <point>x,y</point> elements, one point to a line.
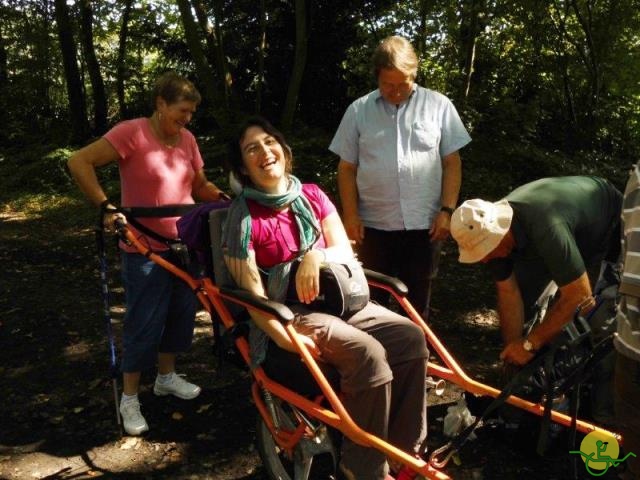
<point>449,210</point>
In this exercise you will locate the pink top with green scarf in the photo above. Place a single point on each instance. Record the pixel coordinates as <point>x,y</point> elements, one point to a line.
<point>277,234</point>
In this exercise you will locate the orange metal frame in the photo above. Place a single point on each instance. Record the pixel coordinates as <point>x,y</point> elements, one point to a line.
<point>213,298</point>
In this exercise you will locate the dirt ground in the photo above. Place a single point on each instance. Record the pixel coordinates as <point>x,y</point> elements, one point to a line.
<point>58,417</point>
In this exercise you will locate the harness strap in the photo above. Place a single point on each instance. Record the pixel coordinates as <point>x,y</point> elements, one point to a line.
<point>159,212</point>
<point>545,424</point>
<point>133,213</point>
<point>150,233</point>
<point>545,357</point>
<point>440,457</point>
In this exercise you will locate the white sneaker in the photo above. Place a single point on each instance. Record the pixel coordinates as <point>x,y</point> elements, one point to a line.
<point>178,387</point>
<point>132,420</point>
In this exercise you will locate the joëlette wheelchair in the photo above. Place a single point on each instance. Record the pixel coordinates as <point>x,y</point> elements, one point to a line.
<point>294,428</point>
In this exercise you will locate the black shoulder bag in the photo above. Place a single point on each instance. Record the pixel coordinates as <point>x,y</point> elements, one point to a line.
<point>344,290</point>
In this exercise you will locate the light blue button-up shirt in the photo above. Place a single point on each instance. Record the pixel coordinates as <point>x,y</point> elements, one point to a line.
<point>398,152</point>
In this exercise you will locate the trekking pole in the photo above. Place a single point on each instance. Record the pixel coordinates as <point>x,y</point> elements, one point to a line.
<point>102,257</point>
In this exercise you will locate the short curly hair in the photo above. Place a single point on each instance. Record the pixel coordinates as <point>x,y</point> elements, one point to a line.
<point>173,88</point>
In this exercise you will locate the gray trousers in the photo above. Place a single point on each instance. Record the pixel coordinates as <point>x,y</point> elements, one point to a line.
<point>381,357</point>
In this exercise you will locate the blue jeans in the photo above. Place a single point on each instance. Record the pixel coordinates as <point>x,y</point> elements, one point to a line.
<point>160,314</point>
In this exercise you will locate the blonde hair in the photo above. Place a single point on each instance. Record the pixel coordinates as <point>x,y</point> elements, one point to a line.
<point>395,52</point>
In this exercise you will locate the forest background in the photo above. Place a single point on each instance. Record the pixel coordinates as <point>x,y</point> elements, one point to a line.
<point>545,88</point>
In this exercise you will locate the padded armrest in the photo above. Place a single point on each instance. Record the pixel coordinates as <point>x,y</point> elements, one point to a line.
<point>279,310</point>
<point>392,282</point>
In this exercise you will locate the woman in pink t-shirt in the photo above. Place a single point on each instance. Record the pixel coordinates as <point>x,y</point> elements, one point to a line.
<point>160,164</point>
<point>379,355</point>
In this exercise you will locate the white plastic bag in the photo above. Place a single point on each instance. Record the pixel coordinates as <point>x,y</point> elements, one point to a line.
<point>458,417</point>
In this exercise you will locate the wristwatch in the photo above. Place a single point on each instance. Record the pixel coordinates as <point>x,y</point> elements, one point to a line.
<point>528,346</point>
<point>449,210</point>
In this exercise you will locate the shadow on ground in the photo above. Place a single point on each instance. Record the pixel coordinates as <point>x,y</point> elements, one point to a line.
<point>58,414</point>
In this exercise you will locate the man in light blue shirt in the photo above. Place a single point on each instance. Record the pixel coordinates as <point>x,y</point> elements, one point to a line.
<point>400,172</point>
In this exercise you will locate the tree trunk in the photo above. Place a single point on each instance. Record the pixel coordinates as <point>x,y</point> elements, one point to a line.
<point>203,69</point>
<point>217,14</point>
<point>299,63</point>
<point>120,62</point>
<point>47,48</point>
<point>213,47</point>
<point>469,36</point>
<point>593,64</point>
<point>97,85</point>
<point>421,38</point>
<point>3,65</point>
<point>77,108</point>
<point>261,50</point>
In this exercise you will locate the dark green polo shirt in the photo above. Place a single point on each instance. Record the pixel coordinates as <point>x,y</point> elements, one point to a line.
<point>561,224</point>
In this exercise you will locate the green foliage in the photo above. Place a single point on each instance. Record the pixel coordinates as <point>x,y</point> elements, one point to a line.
<point>39,169</point>
<point>313,162</point>
<point>549,81</point>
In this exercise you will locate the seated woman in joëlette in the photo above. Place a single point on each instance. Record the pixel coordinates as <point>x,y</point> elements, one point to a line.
<point>380,355</point>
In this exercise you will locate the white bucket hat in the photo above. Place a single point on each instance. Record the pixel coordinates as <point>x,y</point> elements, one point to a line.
<point>479,226</point>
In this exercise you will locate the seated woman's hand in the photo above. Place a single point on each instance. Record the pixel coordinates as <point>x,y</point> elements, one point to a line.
<point>308,276</point>
<point>311,346</point>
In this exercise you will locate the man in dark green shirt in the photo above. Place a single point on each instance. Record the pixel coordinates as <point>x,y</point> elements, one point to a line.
<point>550,230</point>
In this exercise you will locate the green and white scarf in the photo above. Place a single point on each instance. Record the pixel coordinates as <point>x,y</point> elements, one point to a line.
<point>236,236</point>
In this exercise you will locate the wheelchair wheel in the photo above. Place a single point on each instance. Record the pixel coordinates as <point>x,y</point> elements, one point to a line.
<point>314,457</point>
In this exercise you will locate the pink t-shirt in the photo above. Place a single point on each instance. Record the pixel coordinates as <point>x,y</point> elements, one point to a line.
<point>277,233</point>
<point>153,174</point>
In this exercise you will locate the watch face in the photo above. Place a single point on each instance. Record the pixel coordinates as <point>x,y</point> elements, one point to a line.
<point>527,345</point>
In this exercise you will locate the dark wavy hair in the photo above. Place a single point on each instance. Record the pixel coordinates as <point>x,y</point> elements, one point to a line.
<point>235,162</point>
